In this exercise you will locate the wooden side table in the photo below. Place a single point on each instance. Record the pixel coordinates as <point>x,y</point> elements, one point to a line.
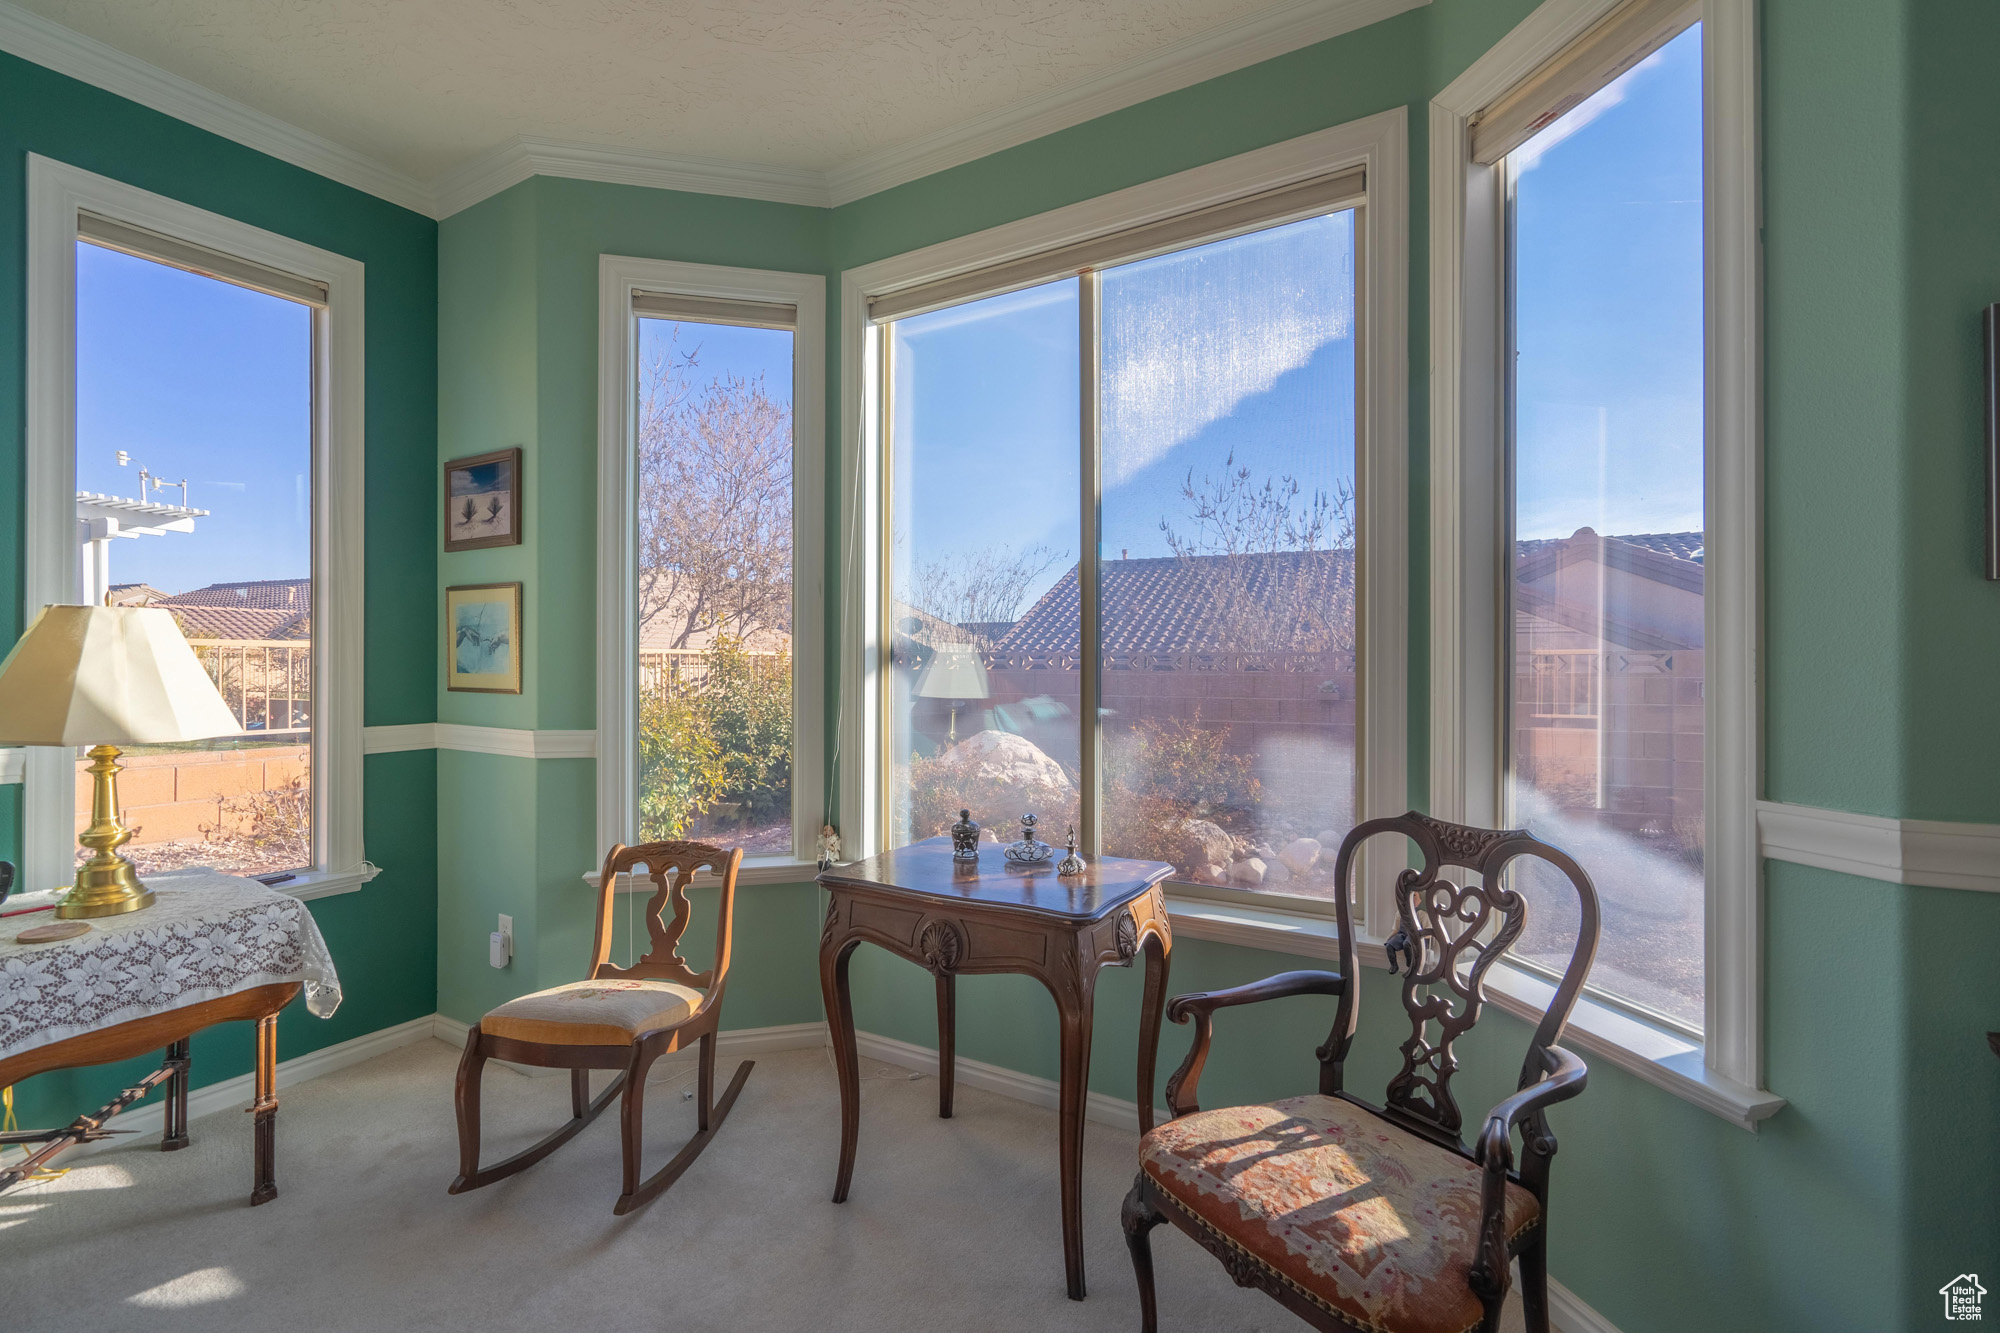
<point>171,1029</point>
<point>954,918</point>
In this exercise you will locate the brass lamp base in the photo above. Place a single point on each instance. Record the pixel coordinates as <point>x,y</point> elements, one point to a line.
<point>106,884</point>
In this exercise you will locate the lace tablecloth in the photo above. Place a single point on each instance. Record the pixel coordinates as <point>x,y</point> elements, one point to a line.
<point>207,936</point>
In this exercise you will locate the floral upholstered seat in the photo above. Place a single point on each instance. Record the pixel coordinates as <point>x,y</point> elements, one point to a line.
<point>609,1012</point>
<point>1372,1224</point>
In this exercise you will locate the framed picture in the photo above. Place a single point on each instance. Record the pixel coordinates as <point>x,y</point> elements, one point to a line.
<point>482,638</point>
<point>482,501</point>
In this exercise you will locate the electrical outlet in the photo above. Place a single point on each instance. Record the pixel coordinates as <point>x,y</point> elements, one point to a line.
<point>502,943</point>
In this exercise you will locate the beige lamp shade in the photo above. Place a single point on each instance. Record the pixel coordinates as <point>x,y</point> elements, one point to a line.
<point>107,675</point>
<point>956,672</point>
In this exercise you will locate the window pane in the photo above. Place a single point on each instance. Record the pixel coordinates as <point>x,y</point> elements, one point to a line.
<point>1228,572</point>
<point>1606,744</point>
<point>194,492</point>
<point>983,605</point>
<point>715,584</point>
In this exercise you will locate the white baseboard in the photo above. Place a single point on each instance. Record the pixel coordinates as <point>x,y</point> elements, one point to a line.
<point>731,1042</point>
<point>1116,1112</point>
<point>1568,1312</point>
<point>149,1117</point>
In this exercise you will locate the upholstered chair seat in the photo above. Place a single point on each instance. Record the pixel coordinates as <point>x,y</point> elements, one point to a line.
<point>1372,1224</point>
<point>609,1012</point>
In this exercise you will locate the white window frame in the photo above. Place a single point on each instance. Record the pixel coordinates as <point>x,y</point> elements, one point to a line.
<point>618,277</point>
<point>57,192</point>
<point>1378,144</point>
<point>1723,1072</point>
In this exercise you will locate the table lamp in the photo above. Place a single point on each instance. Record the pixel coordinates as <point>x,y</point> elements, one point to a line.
<point>106,676</point>
<point>956,672</point>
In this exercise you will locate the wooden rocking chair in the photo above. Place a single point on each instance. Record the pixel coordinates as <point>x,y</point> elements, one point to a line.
<point>622,1018</point>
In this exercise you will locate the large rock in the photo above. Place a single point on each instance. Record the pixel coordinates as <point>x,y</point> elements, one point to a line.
<point>1207,842</point>
<point>1002,758</point>
<point>1300,855</point>
<point>1249,872</point>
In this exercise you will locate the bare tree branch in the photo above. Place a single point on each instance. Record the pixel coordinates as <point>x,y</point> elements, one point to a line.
<point>988,586</point>
<point>715,504</point>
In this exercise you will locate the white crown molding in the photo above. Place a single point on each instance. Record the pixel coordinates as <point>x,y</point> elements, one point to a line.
<point>517,160</point>
<point>1922,852</point>
<point>52,46</point>
<point>1274,32</point>
<point>1224,50</point>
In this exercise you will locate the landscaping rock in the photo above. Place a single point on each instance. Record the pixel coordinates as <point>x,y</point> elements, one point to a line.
<point>1248,872</point>
<point>1301,855</point>
<point>1207,842</point>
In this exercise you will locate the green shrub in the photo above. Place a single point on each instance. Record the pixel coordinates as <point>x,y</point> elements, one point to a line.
<point>725,740</point>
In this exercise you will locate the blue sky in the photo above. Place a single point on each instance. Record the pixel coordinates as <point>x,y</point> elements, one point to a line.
<point>722,349</point>
<point>199,379</point>
<point>1608,292</point>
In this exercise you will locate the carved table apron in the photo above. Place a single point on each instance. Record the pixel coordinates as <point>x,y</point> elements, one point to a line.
<point>956,919</point>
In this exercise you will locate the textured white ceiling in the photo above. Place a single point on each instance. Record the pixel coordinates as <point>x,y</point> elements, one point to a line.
<point>424,85</point>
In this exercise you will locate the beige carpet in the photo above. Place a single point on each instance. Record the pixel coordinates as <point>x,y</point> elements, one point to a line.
<point>951,1225</point>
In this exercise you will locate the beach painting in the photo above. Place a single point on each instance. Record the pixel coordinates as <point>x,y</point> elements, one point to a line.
<point>483,638</point>
<point>482,501</point>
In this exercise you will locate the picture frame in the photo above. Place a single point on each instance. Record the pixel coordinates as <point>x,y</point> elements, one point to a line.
<point>482,501</point>
<point>482,638</point>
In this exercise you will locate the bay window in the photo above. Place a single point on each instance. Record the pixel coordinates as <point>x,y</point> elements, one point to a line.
<point>1130,487</point>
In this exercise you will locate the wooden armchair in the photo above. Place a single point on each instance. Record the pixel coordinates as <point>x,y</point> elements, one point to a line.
<point>1379,1218</point>
<point>622,1018</point>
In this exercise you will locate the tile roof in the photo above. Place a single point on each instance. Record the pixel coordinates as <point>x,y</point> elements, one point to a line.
<point>1164,604</point>
<point>1679,545</point>
<point>256,594</point>
<point>237,622</point>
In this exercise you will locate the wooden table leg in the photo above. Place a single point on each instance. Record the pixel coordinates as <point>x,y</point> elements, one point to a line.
<point>833,956</point>
<point>176,1109</point>
<point>947,998</point>
<point>265,1108</point>
<point>1151,1007</point>
<point>1073,1014</point>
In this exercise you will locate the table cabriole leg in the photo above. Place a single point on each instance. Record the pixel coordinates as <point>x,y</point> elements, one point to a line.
<point>947,1005</point>
<point>1158,950</point>
<point>834,954</point>
<point>1073,1013</point>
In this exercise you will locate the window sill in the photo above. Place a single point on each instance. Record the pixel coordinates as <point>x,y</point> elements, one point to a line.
<point>1255,925</point>
<point>750,872</point>
<point>1665,1058</point>
<point>310,884</point>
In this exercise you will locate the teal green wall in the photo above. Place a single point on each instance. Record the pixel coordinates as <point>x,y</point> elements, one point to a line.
<point>384,937</point>
<point>517,365</point>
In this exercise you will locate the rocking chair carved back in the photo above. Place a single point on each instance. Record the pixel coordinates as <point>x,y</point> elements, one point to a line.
<point>671,866</point>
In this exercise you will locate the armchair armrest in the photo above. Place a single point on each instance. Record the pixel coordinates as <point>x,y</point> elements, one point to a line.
<point>1494,1152</point>
<point>1201,1007</point>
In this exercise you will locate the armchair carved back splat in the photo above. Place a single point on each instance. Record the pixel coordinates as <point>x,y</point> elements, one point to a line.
<point>1450,930</point>
<point>672,867</point>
